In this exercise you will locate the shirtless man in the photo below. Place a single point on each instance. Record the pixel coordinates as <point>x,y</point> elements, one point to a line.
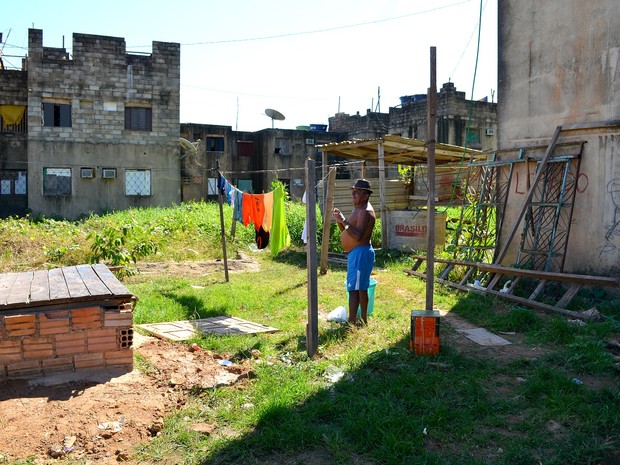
<point>355,239</point>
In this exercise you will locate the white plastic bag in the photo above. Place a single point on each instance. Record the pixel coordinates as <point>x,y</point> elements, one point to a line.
<point>338,314</point>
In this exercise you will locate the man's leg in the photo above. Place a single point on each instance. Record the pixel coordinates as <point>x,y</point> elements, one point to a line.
<point>354,303</point>
<point>363,298</point>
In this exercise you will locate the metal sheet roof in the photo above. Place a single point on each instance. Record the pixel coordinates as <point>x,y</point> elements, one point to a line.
<point>400,150</point>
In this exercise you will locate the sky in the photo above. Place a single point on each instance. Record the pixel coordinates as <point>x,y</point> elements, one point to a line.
<point>307,60</point>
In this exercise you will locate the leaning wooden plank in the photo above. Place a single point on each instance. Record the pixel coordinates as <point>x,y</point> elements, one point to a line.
<point>511,297</point>
<point>584,280</point>
<point>468,273</point>
<point>568,295</point>
<point>444,274</point>
<point>538,290</point>
<point>541,306</point>
<point>494,280</point>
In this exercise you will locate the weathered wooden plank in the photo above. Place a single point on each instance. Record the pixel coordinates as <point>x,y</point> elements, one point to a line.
<point>20,292</point>
<point>76,286</point>
<point>92,281</point>
<point>468,273</point>
<point>40,287</point>
<point>494,281</point>
<point>6,284</point>
<point>568,295</point>
<point>111,281</point>
<point>538,290</point>
<point>511,297</point>
<point>584,280</point>
<point>58,285</point>
<point>444,274</point>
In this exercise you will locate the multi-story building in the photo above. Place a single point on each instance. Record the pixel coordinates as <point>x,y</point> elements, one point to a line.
<point>250,160</point>
<point>99,128</point>
<point>459,121</point>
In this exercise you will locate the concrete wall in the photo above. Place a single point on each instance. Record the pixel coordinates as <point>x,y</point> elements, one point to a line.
<point>99,81</point>
<point>13,144</point>
<point>558,66</point>
<point>276,154</point>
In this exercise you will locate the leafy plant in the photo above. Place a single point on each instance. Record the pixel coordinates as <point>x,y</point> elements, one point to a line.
<point>121,247</point>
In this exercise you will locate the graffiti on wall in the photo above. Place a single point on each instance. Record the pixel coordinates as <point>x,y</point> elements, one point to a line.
<point>613,189</point>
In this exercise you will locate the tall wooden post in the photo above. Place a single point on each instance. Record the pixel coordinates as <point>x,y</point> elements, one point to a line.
<point>222,231</point>
<point>382,203</point>
<point>327,218</point>
<point>430,244</point>
<point>312,328</point>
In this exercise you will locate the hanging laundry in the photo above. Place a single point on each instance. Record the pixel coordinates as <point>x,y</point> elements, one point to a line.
<point>279,234</point>
<point>268,211</point>
<point>304,231</point>
<point>238,206</point>
<point>253,209</point>
<point>262,238</point>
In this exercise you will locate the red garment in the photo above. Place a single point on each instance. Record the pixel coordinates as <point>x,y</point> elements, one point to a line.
<point>253,209</point>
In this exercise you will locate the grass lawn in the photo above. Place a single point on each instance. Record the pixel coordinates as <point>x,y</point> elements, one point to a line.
<point>552,397</point>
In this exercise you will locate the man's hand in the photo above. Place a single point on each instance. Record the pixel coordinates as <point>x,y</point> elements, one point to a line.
<point>338,216</point>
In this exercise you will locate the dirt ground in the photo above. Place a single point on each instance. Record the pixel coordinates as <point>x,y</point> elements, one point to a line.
<point>101,417</point>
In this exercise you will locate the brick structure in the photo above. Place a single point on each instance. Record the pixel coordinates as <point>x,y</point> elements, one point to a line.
<point>66,319</point>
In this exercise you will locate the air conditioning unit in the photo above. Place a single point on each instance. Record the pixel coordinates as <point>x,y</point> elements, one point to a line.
<point>87,173</point>
<point>490,132</point>
<point>309,141</point>
<point>108,173</point>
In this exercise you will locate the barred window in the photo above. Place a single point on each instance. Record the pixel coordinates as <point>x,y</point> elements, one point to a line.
<point>215,143</point>
<point>138,118</point>
<point>138,182</point>
<point>57,114</point>
<point>57,182</point>
<point>245,148</point>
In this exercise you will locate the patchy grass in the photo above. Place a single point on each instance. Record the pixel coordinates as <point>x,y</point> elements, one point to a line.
<point>365,398</point>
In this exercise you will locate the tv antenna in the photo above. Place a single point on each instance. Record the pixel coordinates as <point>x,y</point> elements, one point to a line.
<point>274,114</point>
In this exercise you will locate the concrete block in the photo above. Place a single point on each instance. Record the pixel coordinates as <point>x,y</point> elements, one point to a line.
<point>54,365</point>
<point>88,360</point>
<point>29,369</point>
<point>119,358</point>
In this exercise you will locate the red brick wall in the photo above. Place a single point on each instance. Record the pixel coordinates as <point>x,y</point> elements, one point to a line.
<point>42,342</point>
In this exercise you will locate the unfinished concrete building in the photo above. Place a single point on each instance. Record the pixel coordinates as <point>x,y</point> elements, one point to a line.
<point>99,131</point>
<point>559,130</point>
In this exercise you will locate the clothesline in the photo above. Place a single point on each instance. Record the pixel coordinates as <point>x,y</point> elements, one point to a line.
<point>265,211</point>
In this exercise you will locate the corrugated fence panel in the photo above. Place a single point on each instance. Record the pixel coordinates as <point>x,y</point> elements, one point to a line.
<point>396,195</point>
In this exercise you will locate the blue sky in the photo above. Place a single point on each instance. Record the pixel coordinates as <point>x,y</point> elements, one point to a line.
<point>308,60</point>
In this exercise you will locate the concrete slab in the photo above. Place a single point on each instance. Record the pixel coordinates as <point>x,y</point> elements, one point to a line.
<point>483,337</point>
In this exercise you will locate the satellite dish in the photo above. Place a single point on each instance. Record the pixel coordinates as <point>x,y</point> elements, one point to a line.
<point>274,114</point>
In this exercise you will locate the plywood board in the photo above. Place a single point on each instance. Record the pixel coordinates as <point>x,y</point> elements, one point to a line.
<point>184,330</point>
<point>483,337</point>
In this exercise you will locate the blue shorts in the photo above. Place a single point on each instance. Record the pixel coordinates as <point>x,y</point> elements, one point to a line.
<point>360,261</point>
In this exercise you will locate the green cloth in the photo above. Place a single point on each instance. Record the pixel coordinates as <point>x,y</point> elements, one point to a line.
<point>279,235</point>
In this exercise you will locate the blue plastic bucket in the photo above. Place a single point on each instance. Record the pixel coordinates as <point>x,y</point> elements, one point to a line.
<point>371,297</point>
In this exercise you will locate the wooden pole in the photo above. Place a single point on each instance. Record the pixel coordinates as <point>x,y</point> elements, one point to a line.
<point>222,231</point>
<point>384,220</point>
<point>327,218</point>
<point>312,328</point>
<point>430,244</point>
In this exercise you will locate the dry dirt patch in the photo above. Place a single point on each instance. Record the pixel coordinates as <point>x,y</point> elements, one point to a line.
<point>101,417</point>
